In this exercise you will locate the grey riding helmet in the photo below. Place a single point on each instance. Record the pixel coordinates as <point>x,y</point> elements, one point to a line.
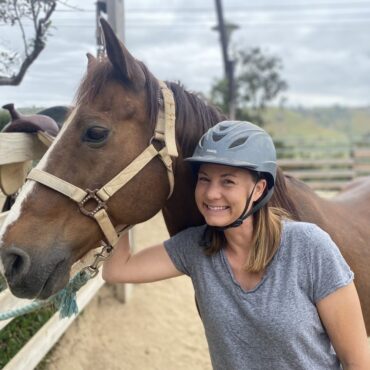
<point>239,144</point>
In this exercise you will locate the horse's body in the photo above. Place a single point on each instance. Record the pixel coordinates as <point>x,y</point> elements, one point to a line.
<point>45,234</point>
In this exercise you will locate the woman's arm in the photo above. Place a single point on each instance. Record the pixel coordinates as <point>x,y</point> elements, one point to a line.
<point>342,317</point>
<point>148,265</point>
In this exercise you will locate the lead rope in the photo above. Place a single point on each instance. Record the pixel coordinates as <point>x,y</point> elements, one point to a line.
<point>65,300</point>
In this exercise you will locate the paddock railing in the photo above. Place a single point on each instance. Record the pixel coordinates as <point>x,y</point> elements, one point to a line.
<point>327,167</point>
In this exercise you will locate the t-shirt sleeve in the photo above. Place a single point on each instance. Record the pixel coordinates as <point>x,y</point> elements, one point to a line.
<point>329,270</point>
<point>184,249</point>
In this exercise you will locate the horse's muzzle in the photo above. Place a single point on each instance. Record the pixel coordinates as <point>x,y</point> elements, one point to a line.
<point>30,276</point>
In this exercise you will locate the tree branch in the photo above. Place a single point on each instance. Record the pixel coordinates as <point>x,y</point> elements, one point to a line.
<point>38,44</point>
<point>19,21</point>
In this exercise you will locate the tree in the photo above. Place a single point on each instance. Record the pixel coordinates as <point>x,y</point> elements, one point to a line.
<point>257,82</point>
<point>22,13</point>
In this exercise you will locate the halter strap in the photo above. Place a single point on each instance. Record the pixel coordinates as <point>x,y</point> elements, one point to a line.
<point>164,131</point>
<point>166,120</point>
<point>53,182</point>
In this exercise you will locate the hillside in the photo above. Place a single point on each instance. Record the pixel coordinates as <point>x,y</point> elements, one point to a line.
<point>330,125</point>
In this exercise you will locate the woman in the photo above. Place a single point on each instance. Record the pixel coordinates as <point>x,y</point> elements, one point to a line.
<point>272,293</point>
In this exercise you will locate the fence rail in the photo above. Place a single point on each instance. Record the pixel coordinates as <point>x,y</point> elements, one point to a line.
<point>325,168</point>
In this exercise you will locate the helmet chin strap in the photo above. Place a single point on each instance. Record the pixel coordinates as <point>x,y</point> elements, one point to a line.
<point>245,214</point>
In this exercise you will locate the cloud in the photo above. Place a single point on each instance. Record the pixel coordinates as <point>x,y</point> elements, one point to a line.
<point>324,49</point>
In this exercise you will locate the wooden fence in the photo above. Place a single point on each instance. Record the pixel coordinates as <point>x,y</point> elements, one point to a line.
<point>16,148</point>
<point>325,168</point>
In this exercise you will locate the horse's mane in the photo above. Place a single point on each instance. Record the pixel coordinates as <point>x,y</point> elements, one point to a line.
<point>194,115</point>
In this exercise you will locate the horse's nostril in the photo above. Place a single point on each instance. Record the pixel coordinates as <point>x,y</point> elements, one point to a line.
<point>16,262</point>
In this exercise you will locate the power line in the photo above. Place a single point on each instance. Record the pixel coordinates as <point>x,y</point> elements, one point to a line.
<point>246,7</point>
<point>251,23</point>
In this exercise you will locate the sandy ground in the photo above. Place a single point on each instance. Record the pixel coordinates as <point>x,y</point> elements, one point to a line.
<point>159,328</point>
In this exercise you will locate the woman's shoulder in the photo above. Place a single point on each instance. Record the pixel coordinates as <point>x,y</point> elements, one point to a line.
<point>190,234</point>
<point>304,237</point>
<point>305,230</point>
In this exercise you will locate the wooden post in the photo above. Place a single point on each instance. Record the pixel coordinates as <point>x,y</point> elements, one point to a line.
<point>123,292</point>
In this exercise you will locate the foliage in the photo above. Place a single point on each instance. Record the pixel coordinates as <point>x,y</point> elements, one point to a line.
<point>257,82</point>
<point>4,118</point>
<point>21,13</point>
<point>16,334</point>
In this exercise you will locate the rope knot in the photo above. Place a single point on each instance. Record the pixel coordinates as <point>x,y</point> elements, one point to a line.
<point>65,300</point>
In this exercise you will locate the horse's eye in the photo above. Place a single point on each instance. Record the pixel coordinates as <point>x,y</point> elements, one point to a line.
<point>95,134</point>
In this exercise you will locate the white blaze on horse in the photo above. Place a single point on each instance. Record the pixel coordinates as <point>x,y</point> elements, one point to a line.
<point>115,117</point>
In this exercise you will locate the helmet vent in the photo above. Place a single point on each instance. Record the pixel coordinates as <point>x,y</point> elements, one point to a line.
<point>238,142</point>
<point>217,137</point>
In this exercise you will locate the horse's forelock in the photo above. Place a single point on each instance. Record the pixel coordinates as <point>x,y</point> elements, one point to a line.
<point>100,74</point>
<point>94,81</point>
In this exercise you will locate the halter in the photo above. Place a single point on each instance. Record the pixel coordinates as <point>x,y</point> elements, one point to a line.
<point>164,132</point>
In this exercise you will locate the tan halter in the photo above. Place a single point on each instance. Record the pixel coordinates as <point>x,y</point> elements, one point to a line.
<point>164,131</point>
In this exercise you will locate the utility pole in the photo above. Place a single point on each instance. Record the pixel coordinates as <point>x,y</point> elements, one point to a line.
<point>228,63</point>
<point>115,16</point>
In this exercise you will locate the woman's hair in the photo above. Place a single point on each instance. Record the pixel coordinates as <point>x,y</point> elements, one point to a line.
<point>267,228</point>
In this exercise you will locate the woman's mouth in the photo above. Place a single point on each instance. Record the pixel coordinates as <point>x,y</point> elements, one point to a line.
<point>215,208</point>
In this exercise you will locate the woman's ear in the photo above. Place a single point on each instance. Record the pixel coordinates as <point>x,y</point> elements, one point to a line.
<point>259,189</point>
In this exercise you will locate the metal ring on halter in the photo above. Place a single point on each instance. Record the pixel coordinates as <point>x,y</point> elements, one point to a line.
<point>100,257</point>
<point>91,194</point>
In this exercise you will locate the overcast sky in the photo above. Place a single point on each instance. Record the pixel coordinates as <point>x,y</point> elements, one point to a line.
<point>324,46</point>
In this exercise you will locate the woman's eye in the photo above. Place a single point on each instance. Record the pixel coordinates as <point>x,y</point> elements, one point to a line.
<point>229,182</point>
<point>202,179</point>
<point>95,134</point>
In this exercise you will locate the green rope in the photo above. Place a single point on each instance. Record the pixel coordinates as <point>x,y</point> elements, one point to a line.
<point>64,300</point>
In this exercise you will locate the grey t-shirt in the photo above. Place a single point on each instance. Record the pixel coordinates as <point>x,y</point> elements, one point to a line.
<point>275,325</point>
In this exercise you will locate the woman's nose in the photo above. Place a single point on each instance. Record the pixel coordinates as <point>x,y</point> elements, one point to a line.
<point>213,191</point>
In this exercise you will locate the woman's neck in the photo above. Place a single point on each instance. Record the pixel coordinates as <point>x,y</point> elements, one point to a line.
<point>239,238</point>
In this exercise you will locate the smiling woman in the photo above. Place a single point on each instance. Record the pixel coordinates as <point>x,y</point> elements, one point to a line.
<point>266,286</point>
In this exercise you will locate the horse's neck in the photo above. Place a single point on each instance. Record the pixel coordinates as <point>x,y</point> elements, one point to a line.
<point>194,117</point>
<point>180,211</point>
<point>308,206</point>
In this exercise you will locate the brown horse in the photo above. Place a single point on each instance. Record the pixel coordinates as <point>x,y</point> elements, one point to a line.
<point>117,105</point>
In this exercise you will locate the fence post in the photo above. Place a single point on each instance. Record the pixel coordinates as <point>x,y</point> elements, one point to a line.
<point>123,292</point>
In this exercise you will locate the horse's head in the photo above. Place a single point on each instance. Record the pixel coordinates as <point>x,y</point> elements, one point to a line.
<point>113,122</point>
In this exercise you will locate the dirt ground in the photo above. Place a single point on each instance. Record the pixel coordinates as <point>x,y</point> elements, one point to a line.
<point>158,329</point>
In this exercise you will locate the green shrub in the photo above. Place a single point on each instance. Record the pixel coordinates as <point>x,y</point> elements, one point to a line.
<point>16,334</point>
<point>4,118</point>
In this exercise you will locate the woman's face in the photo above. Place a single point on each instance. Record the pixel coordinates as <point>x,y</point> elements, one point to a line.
<point>221,192</point>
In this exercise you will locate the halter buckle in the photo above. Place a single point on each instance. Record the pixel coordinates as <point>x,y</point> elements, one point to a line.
<point>91,195</point>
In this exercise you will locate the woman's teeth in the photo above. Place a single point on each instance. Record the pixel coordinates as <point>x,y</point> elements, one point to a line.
<point>216,208</point>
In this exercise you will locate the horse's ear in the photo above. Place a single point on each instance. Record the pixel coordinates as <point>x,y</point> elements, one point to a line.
<point>120,57</point>
<point>91,60</point>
